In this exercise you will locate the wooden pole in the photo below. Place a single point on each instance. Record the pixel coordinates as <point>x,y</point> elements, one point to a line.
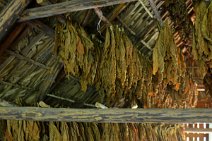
<point>10,14</point>
<point>66,7</point>
<point>111,115</point>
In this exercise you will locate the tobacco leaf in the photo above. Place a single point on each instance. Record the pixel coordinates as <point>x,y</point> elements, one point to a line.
<point>54,134</point>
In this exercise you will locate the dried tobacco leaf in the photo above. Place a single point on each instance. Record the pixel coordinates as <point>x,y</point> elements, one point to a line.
<point>54,134</point>
<point>75,49</point>
<point>64,131</point>
<point>202,39</point>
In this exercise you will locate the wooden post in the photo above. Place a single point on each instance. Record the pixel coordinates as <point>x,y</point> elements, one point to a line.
<point>66,7</point>
<point>10,14</point>
<point>111,115</point>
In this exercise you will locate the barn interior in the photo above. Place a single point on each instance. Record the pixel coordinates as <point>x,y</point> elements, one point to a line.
<point>107,54</point>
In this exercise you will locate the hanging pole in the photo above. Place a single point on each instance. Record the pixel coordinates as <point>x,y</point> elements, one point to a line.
<point>66,7</point>
<point>110,115</point>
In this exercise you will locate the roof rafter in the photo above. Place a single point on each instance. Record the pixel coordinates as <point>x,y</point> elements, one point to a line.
<point>66,7</point>
<point>9,15</point>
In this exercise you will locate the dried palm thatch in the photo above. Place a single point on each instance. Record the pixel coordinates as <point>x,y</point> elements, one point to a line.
<point>24,77</point>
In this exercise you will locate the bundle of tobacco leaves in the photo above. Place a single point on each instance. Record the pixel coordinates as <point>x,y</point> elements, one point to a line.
<point>166,58</point>
<point>202,37</point>
<point>77,52</point>
<point>119,68</point>
<point>172,84</point>
<point>120,74</point>
<point>63,131</point>
<point>114,69</point>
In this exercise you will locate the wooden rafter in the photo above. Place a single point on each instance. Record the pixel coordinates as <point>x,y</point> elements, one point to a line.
<point>107,115</point>
<point>156,12</point>
<point>68,6</point>
<point>11,37</point>
<point>10,14</point>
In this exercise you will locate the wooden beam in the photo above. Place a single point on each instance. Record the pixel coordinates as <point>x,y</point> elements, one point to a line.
<point>156,12</point>
<point>10,14</point>
<point>68,6</point>
<point>11,37</point>
<point>113,115</point>
<point>198,130</point>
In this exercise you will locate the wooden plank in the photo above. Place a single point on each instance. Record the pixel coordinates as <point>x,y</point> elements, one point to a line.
<point>196,135</point>
<point>66,7</point>
<point>198,130</point>
<point>113,115</point>
<point>10,14</point>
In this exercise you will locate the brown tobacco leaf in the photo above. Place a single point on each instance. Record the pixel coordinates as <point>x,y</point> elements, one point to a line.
<point>80,48</point>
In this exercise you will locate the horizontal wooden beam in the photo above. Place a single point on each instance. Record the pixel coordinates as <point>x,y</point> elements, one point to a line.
<point>66,7</point>
<point>10,14</point>
<point>113,115</point>
<point>198,130</point>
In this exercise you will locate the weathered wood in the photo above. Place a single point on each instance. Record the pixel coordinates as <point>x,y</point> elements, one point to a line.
<point>156,12</point>
<point>10,14</point>
<point>68,6</point>
<point>198,130</point>
<point>107,115</point>
<point>11,37</point>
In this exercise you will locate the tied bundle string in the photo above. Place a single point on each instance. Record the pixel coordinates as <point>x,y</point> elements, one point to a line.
<point>99,25</point>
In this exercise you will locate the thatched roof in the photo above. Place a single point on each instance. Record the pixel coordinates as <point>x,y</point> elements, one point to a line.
<point>33,68</point>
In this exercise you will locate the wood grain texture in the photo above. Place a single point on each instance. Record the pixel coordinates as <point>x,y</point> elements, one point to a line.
<point>10,14</point>
<point>68,6</point>
<point>107,115</point>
